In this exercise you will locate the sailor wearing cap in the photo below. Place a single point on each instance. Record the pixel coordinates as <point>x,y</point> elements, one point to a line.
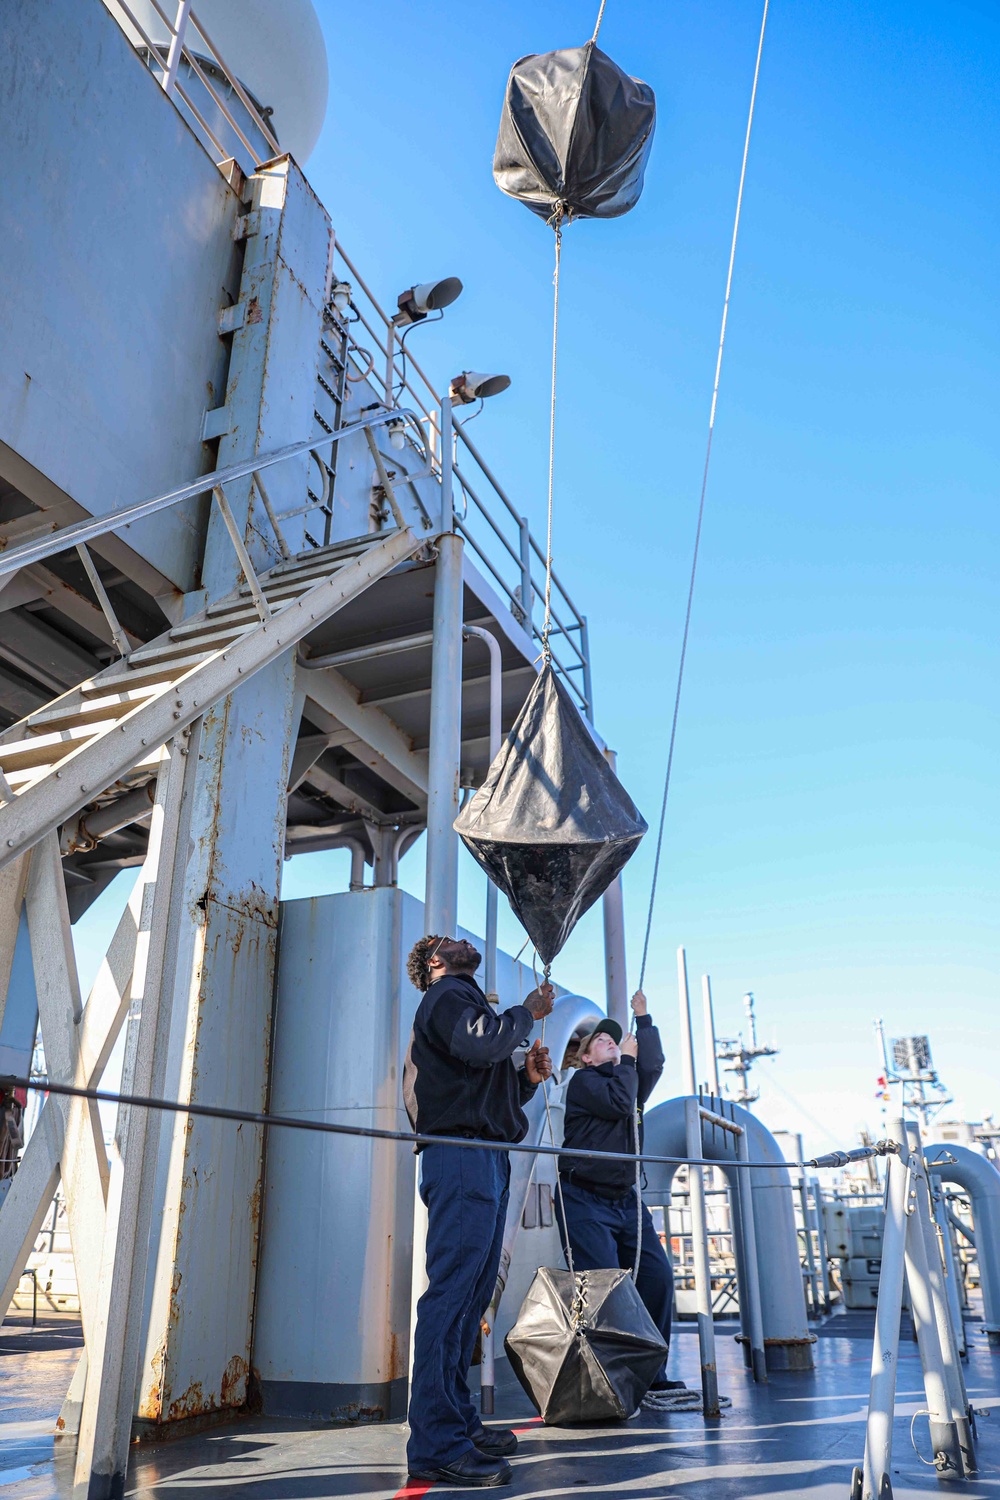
<point>600,1211</point>
<point>460,1080</point>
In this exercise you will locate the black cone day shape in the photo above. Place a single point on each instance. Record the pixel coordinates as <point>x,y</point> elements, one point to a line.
<point>575,135</point>
<point>551,825</point>
<point>584,1347</point>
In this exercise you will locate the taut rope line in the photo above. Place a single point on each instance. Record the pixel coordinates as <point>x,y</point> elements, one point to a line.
<point>701,503</point>
<point>547,625</point>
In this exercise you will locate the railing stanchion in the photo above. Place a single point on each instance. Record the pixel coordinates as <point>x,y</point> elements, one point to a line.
<point>702,1269</point>
<point>885,1353</point>
<point>527,593</point>
<point>249,572</point>
<point>810,1257</point>
<point>824,1269</point>
<point>176,53</point>
<point>949,1443</point>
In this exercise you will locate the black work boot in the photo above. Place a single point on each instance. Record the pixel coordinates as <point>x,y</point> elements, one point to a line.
<point>496,1442</point>
<point>472,1470</point>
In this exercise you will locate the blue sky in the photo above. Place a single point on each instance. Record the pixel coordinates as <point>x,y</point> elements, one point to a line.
<point>831,840</point>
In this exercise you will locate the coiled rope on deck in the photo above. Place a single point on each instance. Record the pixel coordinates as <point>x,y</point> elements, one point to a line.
<point>701,502</point>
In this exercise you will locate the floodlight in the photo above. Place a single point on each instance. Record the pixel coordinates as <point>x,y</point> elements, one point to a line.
<point>472,386</point>
<point>431,296</point>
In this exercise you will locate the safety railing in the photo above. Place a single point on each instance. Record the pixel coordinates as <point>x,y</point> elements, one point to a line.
<point>493,527</point>
<point>78,533</point>
<point>193,73</point>
<point>910,1246</point>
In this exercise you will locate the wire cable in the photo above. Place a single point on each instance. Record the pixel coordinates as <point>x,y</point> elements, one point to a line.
<point>369,1132</point>
<point>701,503</point>
<point>547,624</point>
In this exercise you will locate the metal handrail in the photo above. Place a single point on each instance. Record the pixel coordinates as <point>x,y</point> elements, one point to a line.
<point>85,531</point>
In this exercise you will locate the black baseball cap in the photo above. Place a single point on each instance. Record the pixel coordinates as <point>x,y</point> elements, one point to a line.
<point>612,1028</point>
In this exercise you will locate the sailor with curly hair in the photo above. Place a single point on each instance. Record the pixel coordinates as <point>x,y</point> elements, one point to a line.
<point>459,1080</point>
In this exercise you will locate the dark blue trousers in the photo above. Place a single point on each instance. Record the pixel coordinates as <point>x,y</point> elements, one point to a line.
<point>602,1234</point>
<point>465,1192</point>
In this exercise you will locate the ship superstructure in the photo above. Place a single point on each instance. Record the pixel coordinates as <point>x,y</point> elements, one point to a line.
<point>261,594</point>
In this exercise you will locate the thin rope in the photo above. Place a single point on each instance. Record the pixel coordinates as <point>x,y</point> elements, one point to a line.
<point>600,18</point>
<point>634,1029</point>
<point>552,1142</point>
<point>701,503</point>
<point>547,625</point>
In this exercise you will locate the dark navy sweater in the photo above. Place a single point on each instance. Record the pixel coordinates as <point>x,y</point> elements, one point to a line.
<point>600,1104</point>
<point>458,1078</point>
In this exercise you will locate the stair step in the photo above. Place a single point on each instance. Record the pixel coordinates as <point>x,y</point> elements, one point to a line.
<point>20,780</point>
<point>140,678</point>
<point>207,641</point>
<point>108,706</point>
<point>349,547</point>
<point>277,596</point>
<point>304,577</point>
<point>45,749</point>
<point>233,619</point>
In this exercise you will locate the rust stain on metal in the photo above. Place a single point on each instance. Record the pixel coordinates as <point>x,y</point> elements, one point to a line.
<point>255,313</point>
<point>396,1366</point>
<point>191,1404</point>
<point>151,1403</point>
<point>234,1377</point>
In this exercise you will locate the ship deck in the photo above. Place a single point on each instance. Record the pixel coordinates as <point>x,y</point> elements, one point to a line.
<point>799,1436</point>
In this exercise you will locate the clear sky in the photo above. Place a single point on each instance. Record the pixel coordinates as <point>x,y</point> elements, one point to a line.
<point>832,835</point>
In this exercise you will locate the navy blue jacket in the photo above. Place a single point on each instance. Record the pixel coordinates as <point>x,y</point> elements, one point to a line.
<point>600,1104</point>
<point>458,1078</point>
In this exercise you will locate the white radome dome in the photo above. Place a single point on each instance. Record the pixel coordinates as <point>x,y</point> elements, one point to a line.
<point>276,50</point>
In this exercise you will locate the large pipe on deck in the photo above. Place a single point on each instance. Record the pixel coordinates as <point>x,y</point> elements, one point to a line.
<point>787,1340</point>
<point>981,1180</point>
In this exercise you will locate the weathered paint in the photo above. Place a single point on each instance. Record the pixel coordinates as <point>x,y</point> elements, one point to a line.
<point>210,1172</point>
<point>119,379</point>
<point>205,1244</point>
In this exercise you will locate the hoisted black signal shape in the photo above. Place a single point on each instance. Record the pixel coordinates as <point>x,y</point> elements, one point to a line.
<point>575,135</point>
<point>551,825</point>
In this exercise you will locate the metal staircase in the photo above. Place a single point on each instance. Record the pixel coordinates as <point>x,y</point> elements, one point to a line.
<point>112,727</point>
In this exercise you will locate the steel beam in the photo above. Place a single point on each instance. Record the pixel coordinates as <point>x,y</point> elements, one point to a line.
<point>386,748</point>
<point>444,761</point>
<point>113,1348</point>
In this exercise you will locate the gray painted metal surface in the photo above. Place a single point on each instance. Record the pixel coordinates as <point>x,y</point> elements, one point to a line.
<point>333,1299</point>
<point>109,360</point>
<point>981,1180</point>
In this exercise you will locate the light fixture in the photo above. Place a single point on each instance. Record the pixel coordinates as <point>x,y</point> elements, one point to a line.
<point>397,433</point>
<point>341,295</point>
<point>472,386</point>
<point>431,296</point>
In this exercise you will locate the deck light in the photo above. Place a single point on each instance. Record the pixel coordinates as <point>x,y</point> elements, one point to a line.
<point>341,295</point>
<point>431,296</point>
<point>397,434</point>
<point>472,386</point>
